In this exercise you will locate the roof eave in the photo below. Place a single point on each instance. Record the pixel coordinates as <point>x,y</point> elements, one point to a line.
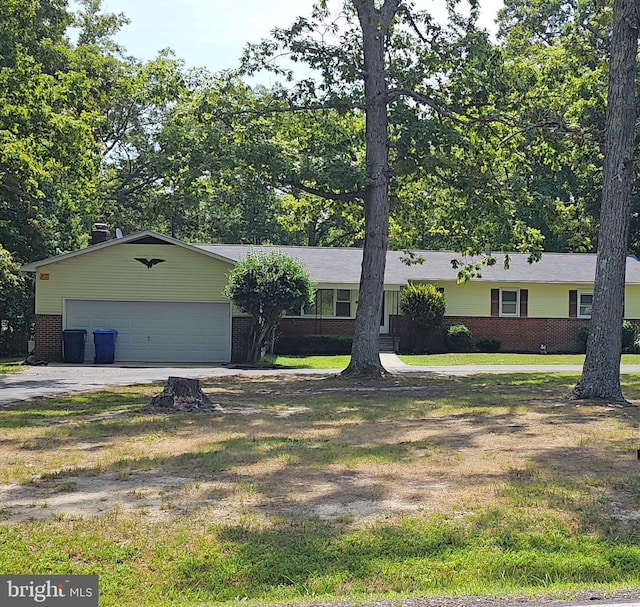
<point>35,265</point>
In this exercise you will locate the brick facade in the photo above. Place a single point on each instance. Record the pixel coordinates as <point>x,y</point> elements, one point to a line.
<point>241,325</point>
<point>317,326</point>
<point>516,334</point>
<point>48,337</point>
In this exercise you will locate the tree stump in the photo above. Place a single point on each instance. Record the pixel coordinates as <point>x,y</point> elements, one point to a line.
<point>183,394</point>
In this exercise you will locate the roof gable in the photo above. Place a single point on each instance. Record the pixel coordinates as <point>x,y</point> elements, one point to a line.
<point>144,237</point>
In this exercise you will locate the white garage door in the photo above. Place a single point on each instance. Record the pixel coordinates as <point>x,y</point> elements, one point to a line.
<point>154,331</point>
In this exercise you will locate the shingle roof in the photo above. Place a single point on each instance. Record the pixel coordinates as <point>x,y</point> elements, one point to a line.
<point>342,265</point>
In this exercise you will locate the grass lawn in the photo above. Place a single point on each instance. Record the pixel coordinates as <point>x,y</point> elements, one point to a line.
<point>310,362</point>
<point>10,365</point>
<point>307,487</point>
<point>444,360</point>
<point>502,358</point>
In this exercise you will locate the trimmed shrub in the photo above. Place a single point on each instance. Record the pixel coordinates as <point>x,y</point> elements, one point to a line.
<point>313,344</point>
<point>458,338</point>
<point>423,303</point>
<point>630,337</point>
<point>265,285</point>
<point>488,344</point>
<point>583,334</point>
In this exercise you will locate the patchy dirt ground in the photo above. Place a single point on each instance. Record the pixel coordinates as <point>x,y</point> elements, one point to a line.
<point>311,446</point>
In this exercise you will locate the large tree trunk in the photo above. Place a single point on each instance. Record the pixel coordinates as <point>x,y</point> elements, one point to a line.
<point>365,356</point>
<point>601,371</point>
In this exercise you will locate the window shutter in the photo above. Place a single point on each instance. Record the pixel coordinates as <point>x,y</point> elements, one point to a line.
<point>524,302</point>
<point>495,302</point>
<point>573,304</point>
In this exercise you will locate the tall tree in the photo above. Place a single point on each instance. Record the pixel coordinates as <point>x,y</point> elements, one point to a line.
<point>557,58</point>
<point>601,372</point>
<point>47,152</point>
<point>424,90</point>
<point>375,24</point>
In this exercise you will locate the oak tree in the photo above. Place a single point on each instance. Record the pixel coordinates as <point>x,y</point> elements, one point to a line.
<point>601,372</point>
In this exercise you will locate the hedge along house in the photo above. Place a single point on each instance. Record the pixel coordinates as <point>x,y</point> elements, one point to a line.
<point>166,298</point>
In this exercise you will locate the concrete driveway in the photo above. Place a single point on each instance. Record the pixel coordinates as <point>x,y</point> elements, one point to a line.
<point>58,378</point>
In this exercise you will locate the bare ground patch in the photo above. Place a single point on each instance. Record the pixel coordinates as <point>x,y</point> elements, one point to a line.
<point>307,446</point>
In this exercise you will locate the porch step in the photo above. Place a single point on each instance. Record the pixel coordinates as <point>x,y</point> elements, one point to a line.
<point>385,343</point>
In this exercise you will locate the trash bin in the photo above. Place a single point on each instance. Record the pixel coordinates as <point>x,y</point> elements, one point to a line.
<point>73,341</point>
<point>104,341</point>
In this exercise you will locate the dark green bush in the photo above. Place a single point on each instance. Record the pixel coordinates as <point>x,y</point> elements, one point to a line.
<point>458,338</point>
<point>583,334</point>
<point>423,303</point>
<point>313,344</point>
<point>630,336</point>
<point>488,344</point>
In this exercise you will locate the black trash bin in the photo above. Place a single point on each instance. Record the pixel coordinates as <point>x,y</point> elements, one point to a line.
<point>104,341</point>
<point>73,341</point>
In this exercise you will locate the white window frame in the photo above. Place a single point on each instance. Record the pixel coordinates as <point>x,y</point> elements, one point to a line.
<point>336,301</point>
<point>580,305</point>
<point>517,302</point>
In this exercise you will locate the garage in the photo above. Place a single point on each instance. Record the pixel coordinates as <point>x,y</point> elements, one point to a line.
<point>156,331</point>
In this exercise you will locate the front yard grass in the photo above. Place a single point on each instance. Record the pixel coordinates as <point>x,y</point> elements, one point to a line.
<point>307,488</point>
<point>502,358</point>
<point>11,365</point>
<point>310,362</point>
<point>444,360</point>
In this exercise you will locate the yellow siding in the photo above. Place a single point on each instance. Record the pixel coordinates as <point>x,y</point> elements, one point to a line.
<point>632,301</point>
<point>551,301</point>
<point>545,300</point>
<point>113,273</point>
<point>469,299</point>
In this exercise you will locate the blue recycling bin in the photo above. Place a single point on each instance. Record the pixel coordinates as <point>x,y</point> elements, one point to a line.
<point>73,341</point>
<point>104,341</point>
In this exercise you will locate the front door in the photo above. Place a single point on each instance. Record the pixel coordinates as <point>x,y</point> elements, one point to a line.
<point>384,317</point>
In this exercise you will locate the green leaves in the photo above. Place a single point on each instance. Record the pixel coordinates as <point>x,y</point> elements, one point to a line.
<point>265,286</point>
<point>423,303</point>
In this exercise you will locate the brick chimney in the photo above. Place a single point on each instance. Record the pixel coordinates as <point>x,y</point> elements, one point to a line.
<point>100,233</point>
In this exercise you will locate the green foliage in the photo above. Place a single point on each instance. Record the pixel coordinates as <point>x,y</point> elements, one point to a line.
<point>307,361</point>
<point>423,303</point>
<point>583,335</point>
<point>488,344</point>
<point>265,286</point>
<point>630,334</point>
<point>458,338</point>
<point>313,344</point>
<point>15,307</point>
<point>557,66</point>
